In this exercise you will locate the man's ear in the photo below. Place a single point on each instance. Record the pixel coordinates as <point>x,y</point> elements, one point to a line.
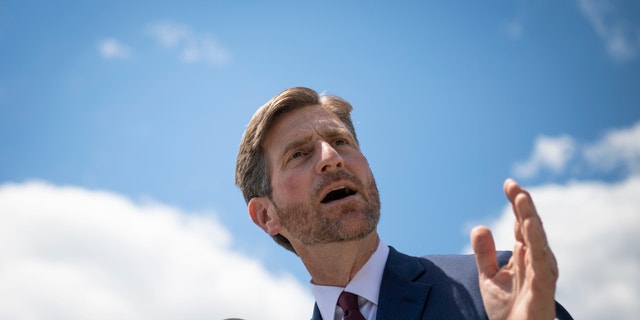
<point>263,214</point>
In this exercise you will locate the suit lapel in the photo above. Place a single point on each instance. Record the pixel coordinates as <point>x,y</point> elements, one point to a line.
<point>403,288</point>
<point>316,313</point>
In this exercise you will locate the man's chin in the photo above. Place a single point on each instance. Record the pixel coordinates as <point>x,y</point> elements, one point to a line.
<point>349,235</point>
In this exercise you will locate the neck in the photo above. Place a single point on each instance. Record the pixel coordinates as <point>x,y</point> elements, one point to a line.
<point>335,264</point>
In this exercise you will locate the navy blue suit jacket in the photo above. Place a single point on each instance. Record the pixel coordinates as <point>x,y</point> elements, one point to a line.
<point>433,287</point>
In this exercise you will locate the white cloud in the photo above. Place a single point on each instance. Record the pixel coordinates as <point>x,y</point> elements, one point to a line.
<point>113,49</point>
<point>549,152</point>
<point>70,253</point>
<point>193,47</point>
<point>621,37</point>
<point>619,148</point>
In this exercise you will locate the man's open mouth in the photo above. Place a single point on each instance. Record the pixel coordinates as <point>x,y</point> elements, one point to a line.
<point>338,194</point>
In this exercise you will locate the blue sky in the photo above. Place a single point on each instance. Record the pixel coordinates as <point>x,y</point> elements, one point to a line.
<point>149,101</point>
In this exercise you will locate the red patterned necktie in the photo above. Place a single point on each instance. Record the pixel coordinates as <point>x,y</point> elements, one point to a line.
<point>349,304</point>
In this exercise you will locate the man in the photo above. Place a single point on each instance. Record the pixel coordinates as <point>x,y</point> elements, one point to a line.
<point>308,185</point>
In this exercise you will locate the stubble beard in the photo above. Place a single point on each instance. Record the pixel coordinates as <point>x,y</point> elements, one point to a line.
<point>309,226</point>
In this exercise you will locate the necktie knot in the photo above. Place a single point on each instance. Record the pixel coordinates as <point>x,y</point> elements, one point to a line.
<point>349,304</point>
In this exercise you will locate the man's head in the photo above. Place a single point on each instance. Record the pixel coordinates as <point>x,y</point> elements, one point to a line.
<point>301,171</point>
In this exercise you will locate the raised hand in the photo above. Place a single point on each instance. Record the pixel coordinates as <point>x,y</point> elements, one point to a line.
<point>525,287</point>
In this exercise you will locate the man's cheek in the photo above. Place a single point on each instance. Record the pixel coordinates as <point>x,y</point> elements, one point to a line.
<point>290,187</point>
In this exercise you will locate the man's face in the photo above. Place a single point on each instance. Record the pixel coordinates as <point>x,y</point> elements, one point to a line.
<point>323,188</point>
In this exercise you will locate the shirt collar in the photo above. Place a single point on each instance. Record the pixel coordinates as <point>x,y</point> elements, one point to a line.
<point>366,284</point>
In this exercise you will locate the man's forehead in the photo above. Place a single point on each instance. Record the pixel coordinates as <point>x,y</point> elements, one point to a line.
<point>291,123</point>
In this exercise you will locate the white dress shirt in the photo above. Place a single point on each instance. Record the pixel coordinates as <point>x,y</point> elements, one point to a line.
<point>366,284</point>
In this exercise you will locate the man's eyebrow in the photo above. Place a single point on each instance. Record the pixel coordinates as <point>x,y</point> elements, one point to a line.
<point>336,132</point>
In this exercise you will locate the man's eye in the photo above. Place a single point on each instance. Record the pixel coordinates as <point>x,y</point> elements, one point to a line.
<point>297,154</point>
<point>340,142</point>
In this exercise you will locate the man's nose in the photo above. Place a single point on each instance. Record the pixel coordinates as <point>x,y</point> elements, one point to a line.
<point>330,159</point>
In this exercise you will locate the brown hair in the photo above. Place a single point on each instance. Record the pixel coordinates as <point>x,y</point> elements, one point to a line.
<point>252,165</point>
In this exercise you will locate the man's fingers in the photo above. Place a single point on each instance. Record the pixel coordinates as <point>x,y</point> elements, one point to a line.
<point>485,251</point>
<point>533,233</point>
<point>524,209</point>
<point>520,199</point>
<point>511,189</point>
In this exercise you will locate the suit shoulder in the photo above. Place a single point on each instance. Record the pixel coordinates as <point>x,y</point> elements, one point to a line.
<point>463,262</point>
<point>452,282</point>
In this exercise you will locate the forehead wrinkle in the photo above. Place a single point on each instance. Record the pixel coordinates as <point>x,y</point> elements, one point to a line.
<point>336,132</point>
